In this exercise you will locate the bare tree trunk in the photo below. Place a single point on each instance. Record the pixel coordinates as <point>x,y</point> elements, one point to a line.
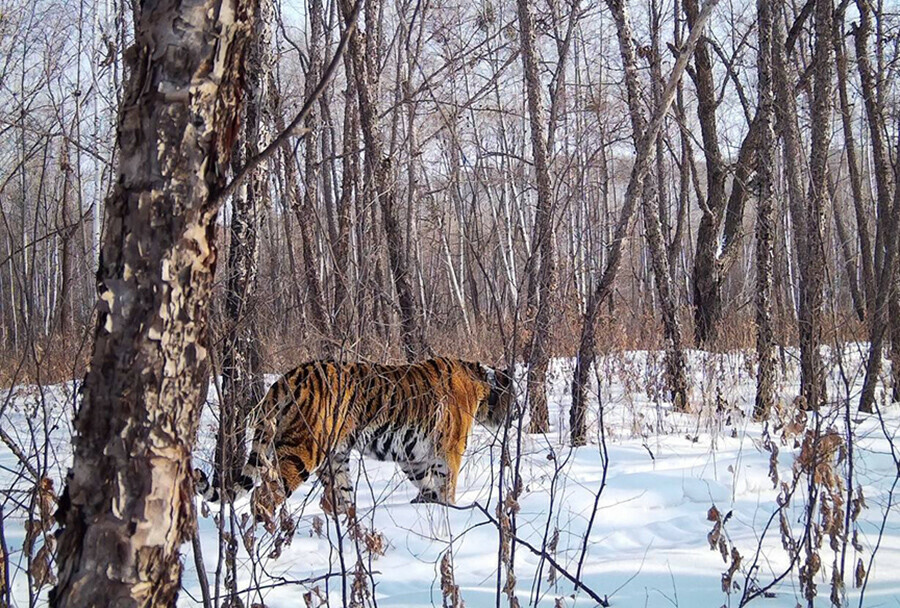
<point>789,132</point>
<point>849,256</point>
<point>812,373</point>
<point>67,231</point>
<point>675,360</point>
<point>707,304</point>
<point>765,218</point>
<point>241,382</point>
<point>645,149</point>
<point>304,205</point>
<point>384,192</point>
<point>715,254</point>
<point>539,355</point>
<point>882,309</point>
<point>859,203</point>
<point>342,297</point>
<point>126,506</point>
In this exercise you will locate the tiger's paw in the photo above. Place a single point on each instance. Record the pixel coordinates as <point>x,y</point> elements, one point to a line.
<point>427,496</point>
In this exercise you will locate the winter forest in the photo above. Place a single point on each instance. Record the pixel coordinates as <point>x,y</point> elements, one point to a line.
<point>639,260</point>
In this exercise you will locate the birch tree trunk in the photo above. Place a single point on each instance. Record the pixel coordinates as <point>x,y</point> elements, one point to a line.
<point>126,507</point>
<point>765,218</point>
<point>812,374</point>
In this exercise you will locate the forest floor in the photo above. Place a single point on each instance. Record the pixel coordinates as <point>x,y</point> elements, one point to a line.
<point>649,542</point>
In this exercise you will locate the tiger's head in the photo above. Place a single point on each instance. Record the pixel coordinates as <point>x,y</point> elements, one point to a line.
<point>500,405</point>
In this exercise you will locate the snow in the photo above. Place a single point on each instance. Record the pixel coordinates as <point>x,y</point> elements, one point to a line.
<point>648,538</point>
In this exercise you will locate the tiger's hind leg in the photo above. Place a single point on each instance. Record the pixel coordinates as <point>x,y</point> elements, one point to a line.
<point>434,478</point>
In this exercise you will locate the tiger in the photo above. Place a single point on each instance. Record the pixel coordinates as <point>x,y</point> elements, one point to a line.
<point>418,415</point>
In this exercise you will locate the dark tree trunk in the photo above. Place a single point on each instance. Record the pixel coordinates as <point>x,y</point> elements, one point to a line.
<point>542,241</point>
<point>859,201</point>
<point>126,507</point>
<point>884,309</point>
<point>644,155</point>
<point>812,373</point>
<point>305,205</point>
<point>343,308</point>
<point>675,359</point>
<point>241,382</point>
<point>717,246</point>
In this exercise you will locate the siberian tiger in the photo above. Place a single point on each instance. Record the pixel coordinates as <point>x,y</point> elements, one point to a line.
<point>417,415</point>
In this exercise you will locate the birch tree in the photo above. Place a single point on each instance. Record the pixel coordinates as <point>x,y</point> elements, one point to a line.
<point>765,217</point>
<point>126,507</point>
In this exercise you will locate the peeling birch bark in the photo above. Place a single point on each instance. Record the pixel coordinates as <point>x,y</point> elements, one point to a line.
<point>126,508</point>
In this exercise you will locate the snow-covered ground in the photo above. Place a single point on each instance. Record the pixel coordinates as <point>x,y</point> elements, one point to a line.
<point>648,543</point>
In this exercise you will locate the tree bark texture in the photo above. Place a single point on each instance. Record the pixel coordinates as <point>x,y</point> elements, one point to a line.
<point>241,382</point>
<point>644,149</point>
<point>812,373</point>
<point>765,218</point>
<point>675,359</point>
<point>885,308</point>
<point>859,202</point>
<point>539,354</point>
<point>717,247</point>
<point>127,504</point>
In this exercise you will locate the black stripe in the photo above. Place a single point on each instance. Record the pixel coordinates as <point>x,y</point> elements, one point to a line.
<point>253,459</point>
<point>296,462</point>
<point>315,378</point>
<point>409,443</point>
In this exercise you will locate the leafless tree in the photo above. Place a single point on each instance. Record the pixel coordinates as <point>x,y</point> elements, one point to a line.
<point>765,217</point>
<point>137,421</point>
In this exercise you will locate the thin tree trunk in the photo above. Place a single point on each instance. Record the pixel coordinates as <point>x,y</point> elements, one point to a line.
<point>765,218</point>
<point>125,509</point>
<point>305,205</point>
<point>645,149</point>
<point>859,202</point>
<point>850,258</point>
<point>241,381</point>
<point>675,359</point>
<point>539,354</point>
<point>342,298</point>
<point>384,191</point>
<point>789,132</point>
<point>812,373</point>
<point>885,259</point>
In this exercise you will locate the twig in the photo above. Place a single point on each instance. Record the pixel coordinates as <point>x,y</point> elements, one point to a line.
<point>602,601</point>
<point>283,137</point>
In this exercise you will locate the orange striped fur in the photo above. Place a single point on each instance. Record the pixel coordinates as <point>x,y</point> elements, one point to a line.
<point>418,415</point>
